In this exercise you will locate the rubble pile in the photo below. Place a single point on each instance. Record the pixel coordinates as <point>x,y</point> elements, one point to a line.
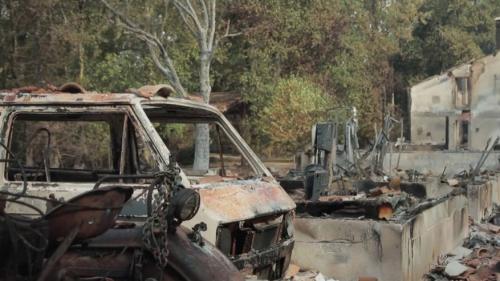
<point>295,273</point>
<point>477,260</point>
<point>391,199</point>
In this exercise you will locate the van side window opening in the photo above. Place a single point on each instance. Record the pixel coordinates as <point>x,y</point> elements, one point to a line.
<point>72,147</point>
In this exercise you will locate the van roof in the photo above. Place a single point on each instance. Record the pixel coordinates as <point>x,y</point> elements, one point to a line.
<point>48,97</point>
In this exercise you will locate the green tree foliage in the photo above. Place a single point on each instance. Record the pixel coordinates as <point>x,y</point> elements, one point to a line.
<point>350,53</point>
<point>56,41</point>
<point>123,70</point>
<point>343,47</point>
<point>305,104</point>
<point>448,33</point>
<point>46,41</point>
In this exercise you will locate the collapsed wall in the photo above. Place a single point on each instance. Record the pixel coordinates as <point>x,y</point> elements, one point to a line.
<point>483,190</point>
<point>349,234</point>
<point>435,161</point>
<point>400,249</point>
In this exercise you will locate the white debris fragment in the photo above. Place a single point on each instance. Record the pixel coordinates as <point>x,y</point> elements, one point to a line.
<point>321,277</point>
<point>454,268</point>
<point>252,278</point>
<point>453,182</point>
<point>459,253</point>
<point>309,276</point>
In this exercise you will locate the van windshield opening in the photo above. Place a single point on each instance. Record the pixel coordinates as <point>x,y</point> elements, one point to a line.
<point>179,129</point>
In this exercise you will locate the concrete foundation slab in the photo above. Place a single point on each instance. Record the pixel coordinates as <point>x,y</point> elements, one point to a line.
<point>346,249</point>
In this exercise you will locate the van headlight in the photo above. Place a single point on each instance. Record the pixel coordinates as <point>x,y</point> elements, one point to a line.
<point>185,204</point>
<point>289,228</point>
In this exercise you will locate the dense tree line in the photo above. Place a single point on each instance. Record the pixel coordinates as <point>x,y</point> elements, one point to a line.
<point>296,62</point>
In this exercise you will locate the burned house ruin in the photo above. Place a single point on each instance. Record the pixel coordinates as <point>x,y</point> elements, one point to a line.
<point>458,109</point>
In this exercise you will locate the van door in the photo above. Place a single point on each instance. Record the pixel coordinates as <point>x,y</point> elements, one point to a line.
<point>65,154</point>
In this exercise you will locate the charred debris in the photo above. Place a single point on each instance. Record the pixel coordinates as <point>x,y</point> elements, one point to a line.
<point>360,207</point>
<point>478,258</point>
<point>345,181</point>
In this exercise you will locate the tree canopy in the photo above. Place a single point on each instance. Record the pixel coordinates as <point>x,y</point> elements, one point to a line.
<point>295,61</point>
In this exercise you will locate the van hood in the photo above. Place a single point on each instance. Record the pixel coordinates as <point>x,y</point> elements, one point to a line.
<point>243,199</point>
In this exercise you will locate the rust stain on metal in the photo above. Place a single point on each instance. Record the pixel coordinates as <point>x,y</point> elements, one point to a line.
<point>246,201</point>
<point>94,211</point>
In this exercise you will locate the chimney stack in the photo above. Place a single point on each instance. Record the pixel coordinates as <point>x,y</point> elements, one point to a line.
<point>497,32</point>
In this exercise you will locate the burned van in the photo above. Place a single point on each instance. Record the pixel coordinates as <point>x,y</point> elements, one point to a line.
<point>65,147</point>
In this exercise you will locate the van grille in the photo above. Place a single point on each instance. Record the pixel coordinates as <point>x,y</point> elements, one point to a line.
<point>238,238</point>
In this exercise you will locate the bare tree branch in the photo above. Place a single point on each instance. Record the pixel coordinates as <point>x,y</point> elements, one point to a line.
<point>132,27</point>
<point>189,12</point>
<point>152,41</point>
<point>193,12</point>
<point>225,35</point>
<point>205,13</point>
<point>166,4</point>
<point>202,25</point>
<point>189,24</point>
<point>156,60</point>
<point>212,25</point>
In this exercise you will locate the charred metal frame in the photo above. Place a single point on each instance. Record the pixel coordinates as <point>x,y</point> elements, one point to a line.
<point>132,107</point>
<point>261,246</point>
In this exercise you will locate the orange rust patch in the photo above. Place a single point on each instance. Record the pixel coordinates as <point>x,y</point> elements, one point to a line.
<point>244,201</point>
<point>385,211</point>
